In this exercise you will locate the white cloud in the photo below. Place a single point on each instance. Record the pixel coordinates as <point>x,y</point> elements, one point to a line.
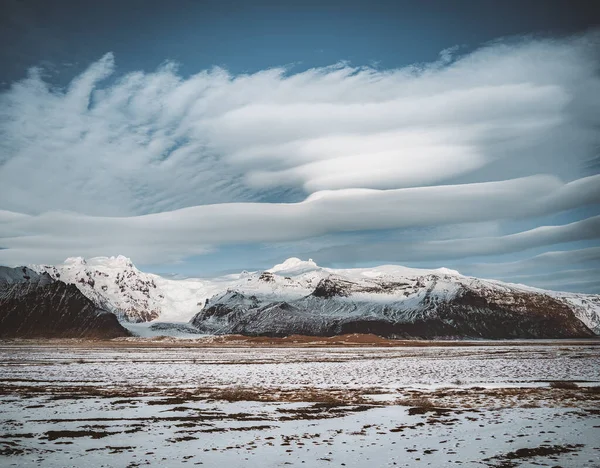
<point>474,245</point>
<point>155,165</point>
<point>551,261</point>
<point>150,142</point>
<point>172,235</point>
<point>585,279</point>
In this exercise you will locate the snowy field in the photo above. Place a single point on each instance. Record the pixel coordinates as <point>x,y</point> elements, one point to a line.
<point>64,406</point>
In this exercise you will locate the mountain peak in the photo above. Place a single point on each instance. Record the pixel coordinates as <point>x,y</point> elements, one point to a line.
<point>119,261</point>
<point>448,271</point>
<point>294,265</point>
<point>75,261</point>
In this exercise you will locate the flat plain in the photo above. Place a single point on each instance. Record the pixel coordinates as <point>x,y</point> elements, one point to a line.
<point>183,403</point>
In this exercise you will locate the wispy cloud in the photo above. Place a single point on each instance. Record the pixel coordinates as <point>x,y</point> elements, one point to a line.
<point>149,142</point>
<point>190,162</point>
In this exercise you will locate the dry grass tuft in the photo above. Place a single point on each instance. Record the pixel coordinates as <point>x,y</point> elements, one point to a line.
<point>237,394</point>
<point>328,398</point>
<point>309,395</point>
<point>419,402</point>
<point>563,384</point>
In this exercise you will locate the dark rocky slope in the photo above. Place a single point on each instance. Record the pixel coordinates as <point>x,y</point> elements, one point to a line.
<point>34,305</point>
<point>332,309</point>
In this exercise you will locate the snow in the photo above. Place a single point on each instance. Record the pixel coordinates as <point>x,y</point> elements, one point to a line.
<point>396,271</point>
<point>294,266</point>
<point>76,261</point>
<point>178,330</point>
<point>348,368</point>
<point>116,284</point>
<point>356,440</point>
<point>587,308</point>
<point>129,425</point>
<point>17,275</point>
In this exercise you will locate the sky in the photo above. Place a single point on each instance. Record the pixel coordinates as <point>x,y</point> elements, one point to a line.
<point>199,138</point>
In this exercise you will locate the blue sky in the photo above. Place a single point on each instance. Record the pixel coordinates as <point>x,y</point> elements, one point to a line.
<point>204,137</point>
<point>245,36</point>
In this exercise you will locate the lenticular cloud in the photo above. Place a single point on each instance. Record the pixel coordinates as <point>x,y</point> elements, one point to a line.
<point>122,146</point>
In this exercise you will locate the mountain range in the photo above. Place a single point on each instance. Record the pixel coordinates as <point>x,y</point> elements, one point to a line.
<point>300,297</point>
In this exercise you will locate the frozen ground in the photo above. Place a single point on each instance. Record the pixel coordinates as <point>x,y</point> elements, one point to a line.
<point>64,406</point>
<point>389,368</point>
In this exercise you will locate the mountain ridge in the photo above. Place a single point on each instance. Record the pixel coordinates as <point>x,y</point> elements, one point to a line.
<point>306,293</point>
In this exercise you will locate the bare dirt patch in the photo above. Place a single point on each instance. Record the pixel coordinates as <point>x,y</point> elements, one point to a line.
<point>565,385</point>
<point>511,459</point>
<point>54,435</point>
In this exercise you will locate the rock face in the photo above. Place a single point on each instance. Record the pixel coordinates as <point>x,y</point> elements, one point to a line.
<point>388,301</point>
<point>585,306</point>
<point>468,315</point>
<point>34,305</point>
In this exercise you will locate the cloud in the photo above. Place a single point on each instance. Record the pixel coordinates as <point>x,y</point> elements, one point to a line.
<point>150,142</point>
<point>176,234</point>
<point>585,280</point>
<point>439,250</point>
<point>554,260</point>
<point>160,166</point>
<point>120,150</point>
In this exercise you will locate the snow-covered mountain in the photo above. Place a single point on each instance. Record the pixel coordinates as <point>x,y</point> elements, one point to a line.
<point>115,284</point>
<point>34,305</point>
<point>298,297</point>
<point>301,297</point>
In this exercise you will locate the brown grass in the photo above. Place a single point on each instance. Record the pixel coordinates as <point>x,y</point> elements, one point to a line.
<point>328,398</point>
<point>564,384</point>
<point>468,399</point>
<point>232,341</point>
<point>238,394</point>
<point>419,402</point>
